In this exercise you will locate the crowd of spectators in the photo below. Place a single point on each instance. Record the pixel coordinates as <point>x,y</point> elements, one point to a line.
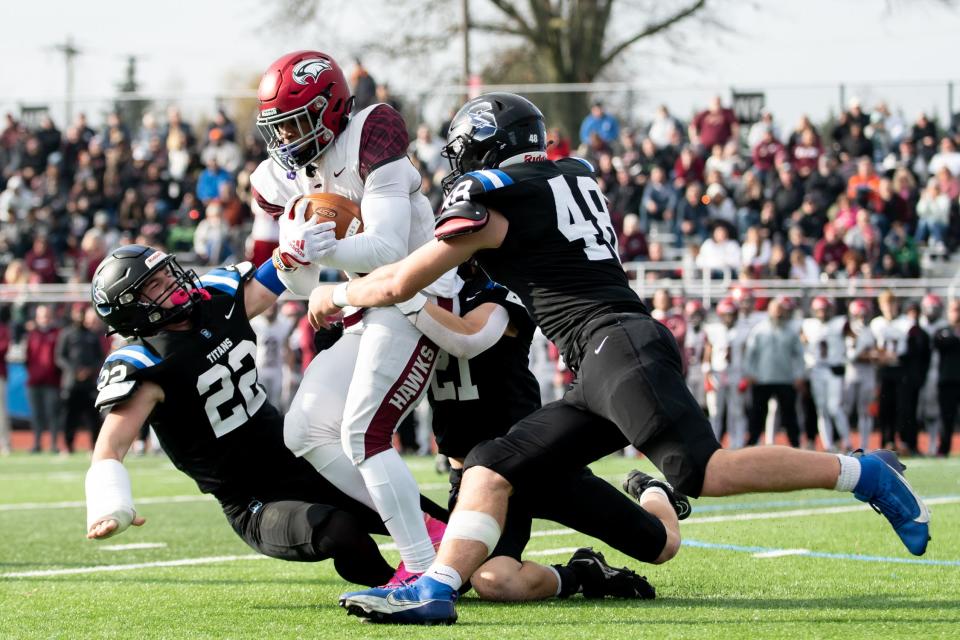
<point>861,197</point>
<point>857,198</point>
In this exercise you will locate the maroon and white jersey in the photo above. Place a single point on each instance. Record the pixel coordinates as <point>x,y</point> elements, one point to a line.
<point>368,164</point>
<point>825,345</point>
<point>693,346</point>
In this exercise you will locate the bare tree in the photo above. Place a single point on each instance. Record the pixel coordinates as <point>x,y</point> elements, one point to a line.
<point>560,41</point>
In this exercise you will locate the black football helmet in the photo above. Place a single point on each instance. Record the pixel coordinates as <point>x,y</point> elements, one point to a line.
<point>118,295</point>
<point>488,130</point>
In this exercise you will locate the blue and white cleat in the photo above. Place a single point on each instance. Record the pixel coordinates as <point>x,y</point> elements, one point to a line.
<point>885,489</point>
<point>424,601</point>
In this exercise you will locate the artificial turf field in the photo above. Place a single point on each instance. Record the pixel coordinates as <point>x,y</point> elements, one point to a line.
<point>802,565</point>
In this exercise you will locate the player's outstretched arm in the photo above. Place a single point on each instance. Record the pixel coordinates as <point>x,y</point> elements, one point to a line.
<point>109,499</point>
<point>401,281</point>
<point>462,337</point>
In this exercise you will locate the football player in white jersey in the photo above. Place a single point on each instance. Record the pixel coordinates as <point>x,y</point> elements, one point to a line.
<point>694,341</point>
<point>825,356</point>
<point>861,376</point>
<point>723,369</point>
<point>273,333</point>
<point>355,394</point>
<point>890,331</point>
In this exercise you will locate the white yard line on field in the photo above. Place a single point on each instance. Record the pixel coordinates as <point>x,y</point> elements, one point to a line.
<point>75,504</point>
<point>133,546</point>
<point>542,533</point>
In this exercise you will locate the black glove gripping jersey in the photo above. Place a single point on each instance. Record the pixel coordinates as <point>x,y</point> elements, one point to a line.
<point>481,398</point>
<point>560,252</point>
<point>214,422</point>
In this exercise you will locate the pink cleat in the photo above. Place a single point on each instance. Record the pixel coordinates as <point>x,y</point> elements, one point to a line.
<point>435,529</point>
<point>401,577</point>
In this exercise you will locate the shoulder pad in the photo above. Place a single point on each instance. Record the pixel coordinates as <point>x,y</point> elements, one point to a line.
<point>491,179</point>
<point>225,279</point>
<point>461,218</point>
<point>577,165</point>
<point>383,139</point>
<point>134,355</point>
<point>114,393</point>
<point>121,372</point>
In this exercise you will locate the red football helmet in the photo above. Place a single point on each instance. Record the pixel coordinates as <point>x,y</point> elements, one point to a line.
<point>820,303</point>
<point>693,307</point>
<point>858,308</point>
<point>726,307</point>
<point>931,303</point>
<point>305,102</point>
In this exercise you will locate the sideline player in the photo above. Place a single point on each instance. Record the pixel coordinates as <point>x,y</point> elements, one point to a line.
<point>541,229</point>
<point>483,386</point>
<point>861,378</point>
<point>825,355</point>
<point>189,370</point>
<point>355,394</point>
<point>723,373</point>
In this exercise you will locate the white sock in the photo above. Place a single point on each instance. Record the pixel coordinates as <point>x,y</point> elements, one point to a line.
<point>447,575</point>
<point>556,574</point>
<point>334,465</point>
<point>397,498</point>
<point>849,473</point>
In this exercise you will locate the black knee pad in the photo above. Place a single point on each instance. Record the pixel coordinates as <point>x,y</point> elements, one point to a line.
<point>681,451</point>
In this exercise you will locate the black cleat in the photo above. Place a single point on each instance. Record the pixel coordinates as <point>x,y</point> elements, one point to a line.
<point>637,482</point>
<point>598,579</point>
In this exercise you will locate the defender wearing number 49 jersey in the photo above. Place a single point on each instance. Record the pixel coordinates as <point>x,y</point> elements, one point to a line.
<point>540,228</point>
<point>189,370</point>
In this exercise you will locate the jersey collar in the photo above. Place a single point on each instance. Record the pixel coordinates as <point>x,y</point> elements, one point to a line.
<point>526,156</point>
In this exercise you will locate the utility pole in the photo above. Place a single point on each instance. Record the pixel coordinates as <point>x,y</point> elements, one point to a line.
<point>69,51</point>
<point>466,42</point>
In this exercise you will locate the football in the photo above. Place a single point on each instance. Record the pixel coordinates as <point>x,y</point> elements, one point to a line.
<point>330,207</point>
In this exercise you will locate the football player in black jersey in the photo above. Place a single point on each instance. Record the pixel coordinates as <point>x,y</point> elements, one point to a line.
<point>482,386</point>
<point>188,368</point>
<point>542,229</point>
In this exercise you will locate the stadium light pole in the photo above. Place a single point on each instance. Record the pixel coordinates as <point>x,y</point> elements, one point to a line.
<point>69,52</point>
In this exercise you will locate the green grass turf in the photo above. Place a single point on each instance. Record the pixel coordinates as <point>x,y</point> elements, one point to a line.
<point>703,593</point>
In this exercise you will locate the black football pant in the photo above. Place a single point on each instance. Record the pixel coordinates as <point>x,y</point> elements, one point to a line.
<point>79,411</point>
<point>630,389</point>
<point>786,397</point>
<point>582,502</point>
<point>949,398</point>
<point>313,523</point>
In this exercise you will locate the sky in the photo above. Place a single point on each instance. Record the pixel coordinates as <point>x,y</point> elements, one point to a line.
<point>798,52</point>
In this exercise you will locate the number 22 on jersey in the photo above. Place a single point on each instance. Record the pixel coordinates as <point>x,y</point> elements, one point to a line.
<point>240,372</point>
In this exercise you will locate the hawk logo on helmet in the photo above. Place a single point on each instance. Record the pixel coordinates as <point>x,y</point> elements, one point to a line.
<point>311,68</point>
<point>481,115</point>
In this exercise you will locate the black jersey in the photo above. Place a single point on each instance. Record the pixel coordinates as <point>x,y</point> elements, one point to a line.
<point>215,422</point>
<point>560,252</point>
<point>481,398</point>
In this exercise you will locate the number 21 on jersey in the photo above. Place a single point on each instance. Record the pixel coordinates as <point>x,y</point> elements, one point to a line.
<point>466,390</point>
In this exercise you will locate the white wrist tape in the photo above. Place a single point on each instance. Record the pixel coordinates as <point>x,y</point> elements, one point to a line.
<point>339,296</point>
<point>412,306</point>
<point>302,280</point>
<point>461,345</point>
<point>108,494</point>
<point>473,525</point>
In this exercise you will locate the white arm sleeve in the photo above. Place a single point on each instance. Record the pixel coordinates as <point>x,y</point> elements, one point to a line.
<point>461,345</point>
<point>108,494</point>
<point>386,211</point>
<point>302,280</point>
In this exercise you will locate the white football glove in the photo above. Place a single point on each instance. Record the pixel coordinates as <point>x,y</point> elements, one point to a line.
<point>307,242</point>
